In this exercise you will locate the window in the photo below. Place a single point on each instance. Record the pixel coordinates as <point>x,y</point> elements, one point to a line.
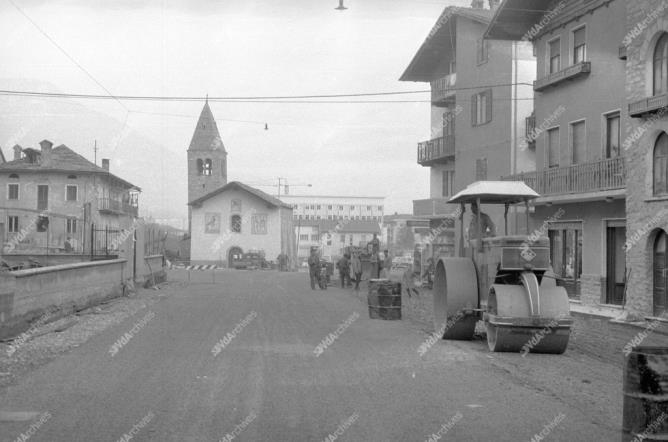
<point>352,207</point>
<point>343,238</point>
<point>259,224</point>
<point>235,223</point>
<point>380,208</point>
<point>661,165</point>
<point>42,197</point>
<point>14,176</point>
<point>200,167</point>
<point>208,166</point>
<point>553,147</point>
<point>329,207</point>
<point>330,217</point>
<point>71,177</point>
<point>661,66</point>
<point>481,169</point>
<point>212,222</point>
<point>368,208</point>
<point>235,206</point>
<point>12,191</point>
<point>315,237</point>
<point>612,135</point>
<point>579,142</point>
<point>482,49</point>
<point>481,108</point>
<point>318,206</point>
<point>448,182</point>
<point>340,207</point>
<point>554,49</point>
<point>303,237</point>
<point>579,45</point>
<point>13,224</point>
<point>71,225</point>
<point>71,193</point>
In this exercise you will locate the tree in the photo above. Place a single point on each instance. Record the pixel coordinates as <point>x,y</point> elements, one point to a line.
<point>405,240</point>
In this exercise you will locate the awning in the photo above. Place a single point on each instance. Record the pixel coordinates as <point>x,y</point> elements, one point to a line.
<point>495,192</point>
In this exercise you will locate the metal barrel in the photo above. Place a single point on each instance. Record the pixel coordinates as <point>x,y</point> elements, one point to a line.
<point>384,299</point>
<point>646,395</point>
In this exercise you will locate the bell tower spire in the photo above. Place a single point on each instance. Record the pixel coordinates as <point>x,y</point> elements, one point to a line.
<point>207,157</point>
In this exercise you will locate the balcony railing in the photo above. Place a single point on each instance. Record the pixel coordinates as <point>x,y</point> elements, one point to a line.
<point>443,88</point>
<point>598,176</point>
<point>570,73</point>
<point>649,105</point>
<point>436,150</point>
<point>435,207</point>
<point>108,205</point>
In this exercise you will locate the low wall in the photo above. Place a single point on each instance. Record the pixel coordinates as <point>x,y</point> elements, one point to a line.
<point>44,260</point>
<point>49,292</point>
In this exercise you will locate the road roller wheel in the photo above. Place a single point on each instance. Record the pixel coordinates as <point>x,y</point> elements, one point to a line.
<point>512,301</point>
<point>455,290</point>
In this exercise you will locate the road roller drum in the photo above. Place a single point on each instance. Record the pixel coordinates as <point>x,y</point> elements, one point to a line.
<point>455,296</point>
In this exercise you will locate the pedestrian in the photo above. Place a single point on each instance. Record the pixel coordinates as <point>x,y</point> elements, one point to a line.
<point>314,267</point>
<point>356,265</point>
<point>68,245</point>
<point>375,244</point>
<point>344,270</point>
<point>387,265</point>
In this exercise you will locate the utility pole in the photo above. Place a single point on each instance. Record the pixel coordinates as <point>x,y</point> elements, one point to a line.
<point>95,153</point>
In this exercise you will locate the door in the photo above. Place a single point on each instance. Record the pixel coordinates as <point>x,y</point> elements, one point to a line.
<point>235,254</point>
<point>659,273</point>
<point>616,264</point>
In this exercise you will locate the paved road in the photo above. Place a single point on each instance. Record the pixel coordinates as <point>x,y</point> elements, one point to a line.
<point>267,384</point>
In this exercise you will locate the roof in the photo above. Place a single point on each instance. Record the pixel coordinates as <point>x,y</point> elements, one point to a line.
<point>64,160</point>
<point>514,18</point>
<point>495,192</point>
<point>440,42</point>
<point>206,135</point>
<point>343,226</point>
<point>236,185</point>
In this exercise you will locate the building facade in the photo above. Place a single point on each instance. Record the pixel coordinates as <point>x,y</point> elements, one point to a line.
<point>645,44</point>
<point>236,219</point>
<point>51,199</point>
<point>577,126</point>
<point>331,237</point>
<point>480,101</point>
<point>359,208</point>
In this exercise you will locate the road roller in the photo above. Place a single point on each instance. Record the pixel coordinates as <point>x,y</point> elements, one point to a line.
<point>506,281</point>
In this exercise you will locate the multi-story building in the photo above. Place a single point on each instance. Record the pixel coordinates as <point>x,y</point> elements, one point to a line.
<point>359,208</point>
<point>645,46</point>
<point>480,100</point>
<point>579,112</point>
<point>333,236</point>
<point>52,196</point>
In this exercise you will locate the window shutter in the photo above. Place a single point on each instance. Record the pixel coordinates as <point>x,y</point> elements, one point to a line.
<point>474,110</point>
<point>489,106</point>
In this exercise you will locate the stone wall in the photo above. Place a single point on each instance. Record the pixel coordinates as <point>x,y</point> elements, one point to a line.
<point>50,292</point>
<point>638,143</point>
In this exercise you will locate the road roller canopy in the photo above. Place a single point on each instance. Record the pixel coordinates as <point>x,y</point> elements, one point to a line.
<point>495,192</point>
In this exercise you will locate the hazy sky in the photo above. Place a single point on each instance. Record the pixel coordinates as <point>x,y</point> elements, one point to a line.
<point>242,48</point>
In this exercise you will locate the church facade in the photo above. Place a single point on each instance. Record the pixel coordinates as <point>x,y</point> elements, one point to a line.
<point>226,220</point>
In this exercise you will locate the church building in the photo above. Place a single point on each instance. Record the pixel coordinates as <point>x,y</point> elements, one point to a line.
<point>226,220</point>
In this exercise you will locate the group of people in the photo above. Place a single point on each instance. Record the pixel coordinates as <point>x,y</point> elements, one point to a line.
<point>350,268</point>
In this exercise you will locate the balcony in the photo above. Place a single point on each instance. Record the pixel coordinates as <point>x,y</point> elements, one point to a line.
<point>436,151</point>
<point>598,176</point>
<point>570,73</point>
<point>657,104</point>
<point>442,90</point>
<point>114,207</point>
<point>435,208</point>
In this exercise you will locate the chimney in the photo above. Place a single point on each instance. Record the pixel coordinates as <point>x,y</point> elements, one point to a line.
<point>105,164</point>
<point>478,4</point>
<point>493,4</point>
<point>46,146</point>
<point>17,152</point>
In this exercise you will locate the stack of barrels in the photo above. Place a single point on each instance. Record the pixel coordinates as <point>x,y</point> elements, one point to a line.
<point>646,395</point>
<point>384,299</point>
